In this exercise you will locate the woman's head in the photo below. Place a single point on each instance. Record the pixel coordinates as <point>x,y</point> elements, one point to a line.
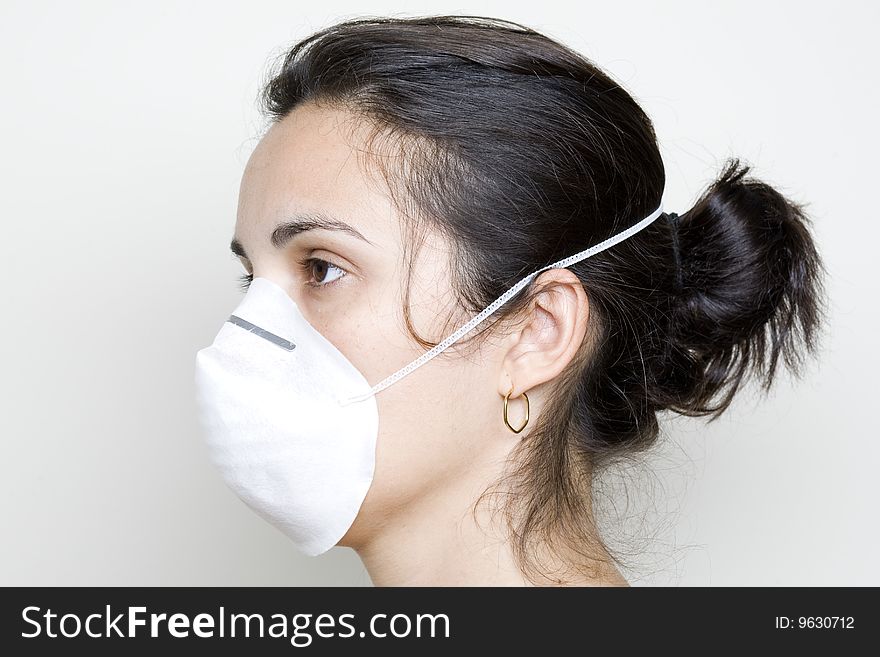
<point>464,154</point>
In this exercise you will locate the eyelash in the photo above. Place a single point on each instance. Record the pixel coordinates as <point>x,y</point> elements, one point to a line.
<point>306,265</point>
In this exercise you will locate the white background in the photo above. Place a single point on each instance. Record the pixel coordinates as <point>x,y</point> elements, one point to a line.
<point>125,130</point>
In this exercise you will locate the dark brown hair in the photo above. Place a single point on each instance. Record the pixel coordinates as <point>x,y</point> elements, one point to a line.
<point>522,151</point>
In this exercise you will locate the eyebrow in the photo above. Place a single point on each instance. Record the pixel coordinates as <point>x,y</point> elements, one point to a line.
<point>300,223</point>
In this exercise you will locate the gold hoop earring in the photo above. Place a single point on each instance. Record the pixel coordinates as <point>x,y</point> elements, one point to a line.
<point>507,421</point>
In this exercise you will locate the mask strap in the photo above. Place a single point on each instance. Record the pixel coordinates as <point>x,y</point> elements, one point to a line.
<point>491,308</point>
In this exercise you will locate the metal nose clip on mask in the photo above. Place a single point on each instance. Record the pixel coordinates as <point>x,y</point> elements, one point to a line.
<point>291,423</point>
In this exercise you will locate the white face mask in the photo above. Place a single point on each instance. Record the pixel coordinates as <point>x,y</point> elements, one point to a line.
<point>291,423</point>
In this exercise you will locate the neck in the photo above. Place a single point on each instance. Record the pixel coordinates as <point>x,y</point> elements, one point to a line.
<point>441,541</point>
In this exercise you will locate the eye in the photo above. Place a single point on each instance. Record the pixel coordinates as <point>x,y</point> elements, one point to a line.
<point>309,265</point>
<point>244,281</point>
<point>322,268</point>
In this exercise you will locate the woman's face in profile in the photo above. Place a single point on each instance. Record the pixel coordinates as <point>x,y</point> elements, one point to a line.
<point>437,424</point>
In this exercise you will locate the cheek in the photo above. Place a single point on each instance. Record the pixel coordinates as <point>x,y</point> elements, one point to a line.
<point>434,423</point>
<point>435,428</point>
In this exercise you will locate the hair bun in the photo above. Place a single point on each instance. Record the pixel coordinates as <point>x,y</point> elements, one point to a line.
<point>750,274</point>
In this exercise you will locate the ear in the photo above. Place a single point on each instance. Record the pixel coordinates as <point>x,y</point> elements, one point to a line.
<point>548,336</point>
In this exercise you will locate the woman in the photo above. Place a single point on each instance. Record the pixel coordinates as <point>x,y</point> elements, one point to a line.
<point>416,172</point>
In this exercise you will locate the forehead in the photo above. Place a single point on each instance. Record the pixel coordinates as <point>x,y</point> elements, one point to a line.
<point>308,162</point>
